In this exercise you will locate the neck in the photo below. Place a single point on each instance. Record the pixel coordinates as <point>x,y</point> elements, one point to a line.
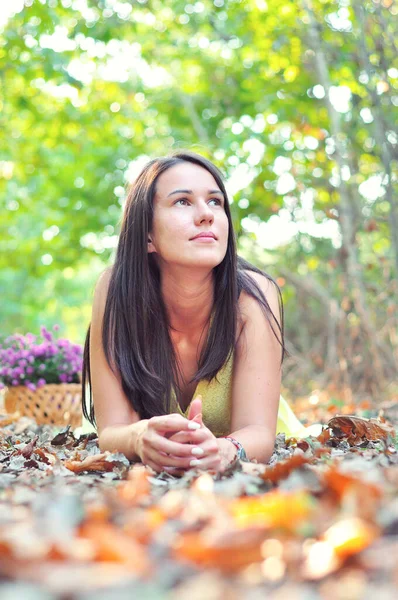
<point>189,301</point>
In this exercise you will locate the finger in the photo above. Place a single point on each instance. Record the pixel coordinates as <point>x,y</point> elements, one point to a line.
<point>210,463</point>
<point>162,444</point>
<point>164,460</point>
<point>195,408</point>
<point>198,419</point>
<point>192,437</point>
<point>209,447</point>
<point>173,422</point>
<point>183,437</point>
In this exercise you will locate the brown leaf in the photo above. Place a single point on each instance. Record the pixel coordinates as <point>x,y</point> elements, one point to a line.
<point>96,462</point>
<point>113,545</point>
<point>358,429</point>
<point>27,451</point>
<point>324,436</point>
<point>363,495</point>
<point>136,487</point>
<point>283,469</point>
<point>62,437</point>
<point>45,456</point>
<point>228,552</point>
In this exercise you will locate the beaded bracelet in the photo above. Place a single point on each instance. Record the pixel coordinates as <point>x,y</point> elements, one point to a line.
<point>241,454</point>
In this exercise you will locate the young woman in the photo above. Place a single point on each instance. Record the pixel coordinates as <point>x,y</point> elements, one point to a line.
<point>184,352</point>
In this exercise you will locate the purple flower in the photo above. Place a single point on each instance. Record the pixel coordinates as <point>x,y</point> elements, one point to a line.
<point>46,335</point>
<point>56,327</point>
<point>23,357</point>
<point>52,349</point>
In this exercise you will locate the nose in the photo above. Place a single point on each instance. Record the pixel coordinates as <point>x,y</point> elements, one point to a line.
<point>203,213</point>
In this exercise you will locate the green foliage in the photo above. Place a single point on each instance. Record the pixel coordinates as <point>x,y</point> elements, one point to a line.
<point>88,88</point>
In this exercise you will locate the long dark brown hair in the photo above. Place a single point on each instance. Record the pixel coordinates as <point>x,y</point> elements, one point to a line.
<point>141,354</point>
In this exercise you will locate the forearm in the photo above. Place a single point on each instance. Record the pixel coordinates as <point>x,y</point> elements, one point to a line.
<point>122,438</point>
<point>256,440</point>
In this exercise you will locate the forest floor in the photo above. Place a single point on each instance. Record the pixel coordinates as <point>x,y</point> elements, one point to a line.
<point>319,521</point>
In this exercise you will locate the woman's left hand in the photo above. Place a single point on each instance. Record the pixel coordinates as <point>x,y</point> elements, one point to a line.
<point>209,459</point>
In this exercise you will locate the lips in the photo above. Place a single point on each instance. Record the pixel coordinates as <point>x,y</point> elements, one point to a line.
<point>205,234</point>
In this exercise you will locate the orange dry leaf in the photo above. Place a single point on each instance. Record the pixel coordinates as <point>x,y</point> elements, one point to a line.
<point>142,525</point>
<point>97,462</point>
<point>136,486</point>
<point>350,536</point>
<point>274,509</point>
<point>368,495</point>
<point>341,482</point>
<point>47,457</point>
<point>113,545</point>
<point>283,469</point>
<point>324,436</point>
<point>228,552</point>
<point>98,512</point>
<point>358,429</point>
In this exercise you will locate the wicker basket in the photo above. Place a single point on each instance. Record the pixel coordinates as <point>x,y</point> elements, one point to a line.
<point>54,403</point>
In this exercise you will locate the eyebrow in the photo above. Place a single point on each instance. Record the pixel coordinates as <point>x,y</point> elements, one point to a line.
<point>191,192</point>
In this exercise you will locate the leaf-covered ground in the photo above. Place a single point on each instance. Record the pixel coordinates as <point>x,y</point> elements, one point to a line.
<point>320,521</point>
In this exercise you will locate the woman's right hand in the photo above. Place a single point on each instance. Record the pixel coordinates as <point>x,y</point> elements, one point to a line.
<point>157,451</point>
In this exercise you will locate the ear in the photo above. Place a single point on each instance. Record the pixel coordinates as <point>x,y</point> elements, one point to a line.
<point>151,247</point>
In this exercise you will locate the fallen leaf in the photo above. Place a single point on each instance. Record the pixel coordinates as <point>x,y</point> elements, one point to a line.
<point>274,509</point>
<point>98,462</point>
<point>113,545</point>
<point>350,536</point>
<point>358,429</point>
<point>62,437</point>
<point>27,451</point>
<point>283,469</point>
<point>228,552</point>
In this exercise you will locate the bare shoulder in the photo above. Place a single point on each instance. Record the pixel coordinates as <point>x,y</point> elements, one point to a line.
<point>100,294</point>
<point>249,305</point>
<point>103,280</point>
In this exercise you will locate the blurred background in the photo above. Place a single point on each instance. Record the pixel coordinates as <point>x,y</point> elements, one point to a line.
<point>295,101</point>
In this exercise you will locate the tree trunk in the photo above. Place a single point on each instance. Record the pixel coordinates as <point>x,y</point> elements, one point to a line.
<point>379,128</point>
<point>347,213</point>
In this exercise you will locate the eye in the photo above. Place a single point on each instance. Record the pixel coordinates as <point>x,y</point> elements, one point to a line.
<point>186,200</point>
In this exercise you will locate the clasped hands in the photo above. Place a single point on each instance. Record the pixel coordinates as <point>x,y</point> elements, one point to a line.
<point>174,443</point>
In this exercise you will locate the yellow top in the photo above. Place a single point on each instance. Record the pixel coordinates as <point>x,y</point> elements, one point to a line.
<point>216,407</point>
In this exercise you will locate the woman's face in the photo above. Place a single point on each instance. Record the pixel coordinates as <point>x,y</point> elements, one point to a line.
<point>187,202</point>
